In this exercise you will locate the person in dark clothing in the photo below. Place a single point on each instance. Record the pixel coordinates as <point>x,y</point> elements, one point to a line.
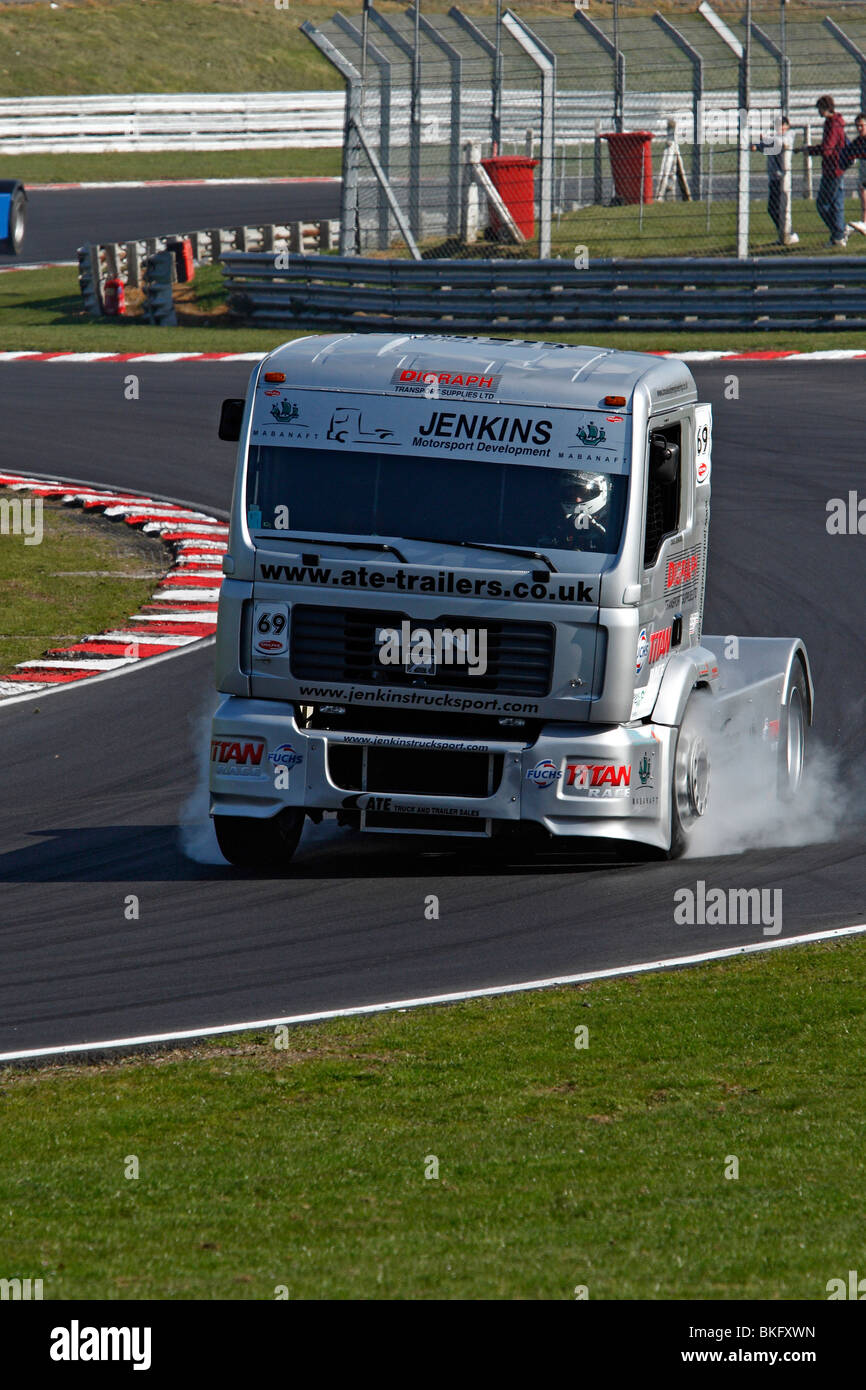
<point>831,192</point>
<point>775,152</point>
<point>856,149</point>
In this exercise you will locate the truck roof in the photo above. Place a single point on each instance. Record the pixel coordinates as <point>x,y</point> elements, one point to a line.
<point>525,372</point>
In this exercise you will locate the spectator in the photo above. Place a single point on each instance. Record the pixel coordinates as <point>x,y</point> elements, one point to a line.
<point>775,152</point>
<point>856,149</point>
<point>831,191</point>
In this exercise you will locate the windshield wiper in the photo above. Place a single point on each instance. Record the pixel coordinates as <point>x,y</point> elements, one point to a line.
<point>485,545</point>
<point>349,545</point>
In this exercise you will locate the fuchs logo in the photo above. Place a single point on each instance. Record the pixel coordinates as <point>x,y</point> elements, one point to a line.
<point>681,571</point>
<point>224,750</point>
<point>856,1287</point>
<point>285,756</point>
<point>642,651</point>
<point>660,645</point>
<point>599,779</point>
<point>544,773</point>
<point>592,434</point>
<point>702,469</point>
<point>285,412</point>
<point>645,770</point>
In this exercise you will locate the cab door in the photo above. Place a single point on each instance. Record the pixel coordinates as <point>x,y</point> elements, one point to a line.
<point>674,553</point>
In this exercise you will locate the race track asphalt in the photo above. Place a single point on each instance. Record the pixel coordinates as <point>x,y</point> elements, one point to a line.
<point>59,220</point>
<point>95,778</point>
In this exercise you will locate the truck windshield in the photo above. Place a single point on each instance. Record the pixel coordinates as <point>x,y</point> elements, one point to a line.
<point>336,491</point>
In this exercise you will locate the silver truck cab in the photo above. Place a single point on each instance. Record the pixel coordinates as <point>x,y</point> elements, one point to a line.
<point>549,504</point>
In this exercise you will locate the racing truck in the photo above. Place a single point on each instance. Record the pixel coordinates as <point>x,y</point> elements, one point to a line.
<point>463,596</point>
<point>13,215</point>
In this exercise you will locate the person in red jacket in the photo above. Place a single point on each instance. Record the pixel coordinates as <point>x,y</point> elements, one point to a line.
<point>831,191</point>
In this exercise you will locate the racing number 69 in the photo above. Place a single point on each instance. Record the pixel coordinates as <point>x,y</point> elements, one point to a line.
<point>270,629</point>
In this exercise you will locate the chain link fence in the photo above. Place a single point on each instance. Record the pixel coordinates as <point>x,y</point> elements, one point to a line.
<point>593,135</point>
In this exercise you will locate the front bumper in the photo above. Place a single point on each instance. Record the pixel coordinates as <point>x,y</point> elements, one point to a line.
<point>574,780</point>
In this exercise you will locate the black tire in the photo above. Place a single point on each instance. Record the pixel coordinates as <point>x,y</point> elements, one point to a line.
<point>793,723</point>
<point>690,781</point>
<point>259,844</point>
<point>17,218</point>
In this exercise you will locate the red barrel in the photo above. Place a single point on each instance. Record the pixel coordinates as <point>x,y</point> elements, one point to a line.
<point>513,177</point>
<point>631,158</point>
<point>114,296</point>
<point>181,248</point>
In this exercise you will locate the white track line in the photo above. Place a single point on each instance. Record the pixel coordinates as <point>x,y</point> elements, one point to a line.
<point>187,183</point>
<point>644,967</point>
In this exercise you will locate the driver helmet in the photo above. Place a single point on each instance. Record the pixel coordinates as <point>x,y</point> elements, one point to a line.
<point>583,494</point>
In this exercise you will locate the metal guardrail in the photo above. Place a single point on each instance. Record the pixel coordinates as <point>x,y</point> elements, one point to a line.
<point>188,121</point>
<point>348,292</point>
<point>95,125</point>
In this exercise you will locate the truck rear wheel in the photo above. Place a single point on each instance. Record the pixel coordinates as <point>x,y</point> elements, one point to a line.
<point>793,720</point>
<point>250,843</point>
<point>690,785</point>
<point>14,239</point>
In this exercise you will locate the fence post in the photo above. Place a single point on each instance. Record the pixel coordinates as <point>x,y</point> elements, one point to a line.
<point>785,199</point>
<point>384,66</point>
<point>697,63</point>
<point>597,185</point>
<point>545,60</point>
<point>455,151</point>
<point>743,175</point>
<point>349,229</point>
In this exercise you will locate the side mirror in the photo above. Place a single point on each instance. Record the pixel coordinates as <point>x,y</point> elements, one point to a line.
<point>231,415</point>
<point>664,458</point>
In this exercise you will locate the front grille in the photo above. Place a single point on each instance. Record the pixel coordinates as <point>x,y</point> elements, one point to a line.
<point>339,645</point>
<point>421,772</point>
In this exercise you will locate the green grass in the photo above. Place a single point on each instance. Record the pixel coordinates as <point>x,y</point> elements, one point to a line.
<point>42,310</point>
<point>172,164</point>
<point>72,582</point>
<point>558,1167</point>
<point>160,46</point>
<point>680,229</point>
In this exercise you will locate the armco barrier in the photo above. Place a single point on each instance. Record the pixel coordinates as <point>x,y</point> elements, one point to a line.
<point>127,259</point>
<point>458,296</point>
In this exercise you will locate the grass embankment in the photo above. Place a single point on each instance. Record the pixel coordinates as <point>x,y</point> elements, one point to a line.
<point>161,46</point>
<point>42,310</point>
<point>557,1167</point>
<point>171,164</point>
<point>87,574</point>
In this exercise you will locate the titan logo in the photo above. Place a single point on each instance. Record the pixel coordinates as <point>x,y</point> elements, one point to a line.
<point>229,751</point>
<point>598,775</point>
<point>660,644</point>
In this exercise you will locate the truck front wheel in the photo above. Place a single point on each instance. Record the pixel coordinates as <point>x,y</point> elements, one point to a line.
<point>690,787</point>
<point>259,844</point>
